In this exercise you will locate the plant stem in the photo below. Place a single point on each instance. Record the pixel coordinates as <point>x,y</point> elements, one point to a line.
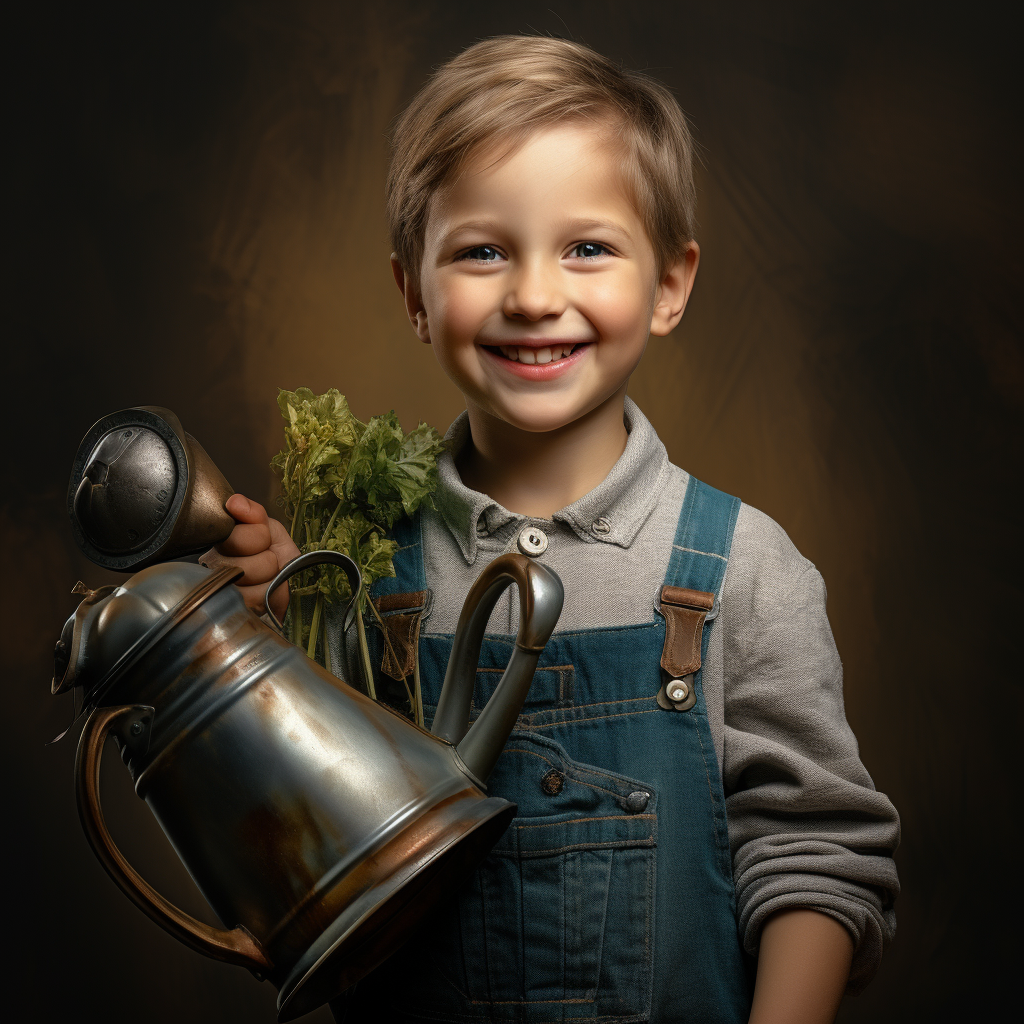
<point>418,704</point>
<point>394,655</point>
<point>314,625</point>
<point>296,607</point>
<point>364,650</point>
<point>330,522</point>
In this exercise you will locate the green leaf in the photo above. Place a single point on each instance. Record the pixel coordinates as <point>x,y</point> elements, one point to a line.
<point>353,479</point>
<point>415,471</point>
<point>369,482</point>
<point>355,536</point>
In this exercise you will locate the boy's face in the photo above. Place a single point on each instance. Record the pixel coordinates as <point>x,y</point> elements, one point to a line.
<point>539,286</point>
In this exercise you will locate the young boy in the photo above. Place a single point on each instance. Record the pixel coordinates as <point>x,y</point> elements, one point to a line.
<point>689,793</point>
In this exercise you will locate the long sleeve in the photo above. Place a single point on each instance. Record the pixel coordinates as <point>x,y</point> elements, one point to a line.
<point>806,825</point>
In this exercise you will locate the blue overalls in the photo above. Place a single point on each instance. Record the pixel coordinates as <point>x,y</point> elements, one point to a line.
<point>610,897</point>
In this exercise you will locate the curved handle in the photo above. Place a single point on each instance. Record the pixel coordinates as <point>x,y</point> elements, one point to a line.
<point>311,558</point>
<point>236,946</point>
<point>540,604</point>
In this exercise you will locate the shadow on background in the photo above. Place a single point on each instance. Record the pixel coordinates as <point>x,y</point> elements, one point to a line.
<point>197,221</point>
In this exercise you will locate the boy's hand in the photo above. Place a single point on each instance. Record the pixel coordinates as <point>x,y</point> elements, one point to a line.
<point>259,545</point>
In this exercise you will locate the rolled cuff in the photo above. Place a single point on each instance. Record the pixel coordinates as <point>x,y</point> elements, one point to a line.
<point>865,910</point>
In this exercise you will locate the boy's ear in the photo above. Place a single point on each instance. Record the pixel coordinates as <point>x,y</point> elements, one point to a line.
<point>674,290</point>
<point>413,303</point>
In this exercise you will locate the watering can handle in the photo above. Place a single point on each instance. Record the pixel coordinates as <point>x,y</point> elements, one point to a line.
<point>235,946</point>
<point>306,561</point>
<point>540,604</point>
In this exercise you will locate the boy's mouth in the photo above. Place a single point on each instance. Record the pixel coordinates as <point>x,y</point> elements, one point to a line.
<point>538,362</point>
<point>532,355</point>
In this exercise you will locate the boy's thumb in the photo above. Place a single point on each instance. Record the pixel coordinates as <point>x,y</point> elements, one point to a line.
<point>240,508</point>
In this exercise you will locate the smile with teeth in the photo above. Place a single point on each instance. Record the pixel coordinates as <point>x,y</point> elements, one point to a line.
<point>535,355</point>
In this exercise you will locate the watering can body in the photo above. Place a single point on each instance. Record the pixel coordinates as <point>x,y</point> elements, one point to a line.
<point>320,825</point>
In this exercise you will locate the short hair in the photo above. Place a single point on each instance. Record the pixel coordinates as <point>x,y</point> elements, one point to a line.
<point>502,90</point>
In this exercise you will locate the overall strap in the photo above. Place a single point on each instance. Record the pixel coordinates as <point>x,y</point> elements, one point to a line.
<point>700,548</point>
<point>409,575</point>
<point>693,582</point>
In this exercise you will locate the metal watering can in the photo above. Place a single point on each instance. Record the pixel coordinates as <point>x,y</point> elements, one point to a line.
<point>320,825</point>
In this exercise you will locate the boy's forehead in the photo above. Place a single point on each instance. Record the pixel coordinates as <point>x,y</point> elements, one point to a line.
<point>575,168</point>
<point>548,152</point>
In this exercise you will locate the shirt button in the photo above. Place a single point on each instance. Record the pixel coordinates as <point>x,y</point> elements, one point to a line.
<point>532,541</point>
<point>601,527</point>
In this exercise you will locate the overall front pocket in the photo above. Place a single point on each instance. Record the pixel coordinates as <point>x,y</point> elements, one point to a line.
<point>557,923</point>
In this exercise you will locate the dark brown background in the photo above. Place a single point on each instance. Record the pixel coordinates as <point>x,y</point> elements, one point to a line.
<point>196,213</point>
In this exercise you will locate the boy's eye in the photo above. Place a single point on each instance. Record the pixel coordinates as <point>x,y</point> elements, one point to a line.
<point>484,253</point>
<point>588,250</point>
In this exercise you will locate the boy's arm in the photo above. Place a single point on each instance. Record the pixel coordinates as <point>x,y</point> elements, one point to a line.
<point>807,827</point>
<point>803,965</point>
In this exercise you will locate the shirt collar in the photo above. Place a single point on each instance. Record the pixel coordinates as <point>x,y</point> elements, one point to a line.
<point>612,513</point>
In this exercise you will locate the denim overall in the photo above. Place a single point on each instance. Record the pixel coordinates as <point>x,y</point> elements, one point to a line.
<point>610,897</point>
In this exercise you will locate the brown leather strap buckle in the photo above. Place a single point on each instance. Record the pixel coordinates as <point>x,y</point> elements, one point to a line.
<point>685,612</point>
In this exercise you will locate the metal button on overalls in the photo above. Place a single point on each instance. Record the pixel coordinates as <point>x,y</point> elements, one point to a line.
<point>532,541</point>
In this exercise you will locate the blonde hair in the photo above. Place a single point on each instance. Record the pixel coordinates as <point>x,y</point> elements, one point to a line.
<point>502,90</point>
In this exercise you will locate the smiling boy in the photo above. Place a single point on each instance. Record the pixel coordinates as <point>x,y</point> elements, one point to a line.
<point>690,795</point>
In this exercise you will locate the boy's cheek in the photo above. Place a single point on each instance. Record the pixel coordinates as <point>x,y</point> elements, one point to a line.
<point>457,312</point>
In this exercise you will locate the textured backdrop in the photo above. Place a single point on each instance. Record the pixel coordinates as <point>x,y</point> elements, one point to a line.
<point>195,214</point>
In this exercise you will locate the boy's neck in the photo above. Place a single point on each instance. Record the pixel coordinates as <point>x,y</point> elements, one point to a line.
<point>536,474</point>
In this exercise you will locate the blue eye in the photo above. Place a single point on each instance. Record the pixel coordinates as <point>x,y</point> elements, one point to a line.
<point>483,253</point>
<point>588,250</point>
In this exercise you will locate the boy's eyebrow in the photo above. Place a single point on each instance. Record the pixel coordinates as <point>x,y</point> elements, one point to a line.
<point>589,224</point>
<point>470,225</point>
<point>569,225</point>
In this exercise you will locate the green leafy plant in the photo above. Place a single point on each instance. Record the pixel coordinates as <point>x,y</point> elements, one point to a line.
<point>344,485</point>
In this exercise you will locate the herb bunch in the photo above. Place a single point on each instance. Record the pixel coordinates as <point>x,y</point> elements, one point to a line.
<point>344,485</point>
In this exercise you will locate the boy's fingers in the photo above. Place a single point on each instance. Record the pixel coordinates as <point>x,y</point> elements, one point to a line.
<point>254,598</point>
<point>245,510</point>
<point>260,547</point>
<point>281,543</point>
<point>246,539</point>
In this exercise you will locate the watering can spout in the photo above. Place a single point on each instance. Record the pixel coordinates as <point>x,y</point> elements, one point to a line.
<point>540,604</point>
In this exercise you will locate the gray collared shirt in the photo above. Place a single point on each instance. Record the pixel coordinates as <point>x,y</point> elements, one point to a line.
<point>806,826</point>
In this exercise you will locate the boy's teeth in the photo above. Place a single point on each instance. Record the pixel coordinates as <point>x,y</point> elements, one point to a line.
<point>535,355</point>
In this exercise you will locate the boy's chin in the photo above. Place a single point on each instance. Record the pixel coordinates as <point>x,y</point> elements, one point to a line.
<point>540,418</point>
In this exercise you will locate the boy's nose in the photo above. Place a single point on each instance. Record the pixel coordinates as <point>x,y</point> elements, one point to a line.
<point>534,293</point>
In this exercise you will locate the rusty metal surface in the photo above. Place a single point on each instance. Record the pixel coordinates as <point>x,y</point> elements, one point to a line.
<point>235,946</point>
<point>144,491</point>
<point>319,825</point>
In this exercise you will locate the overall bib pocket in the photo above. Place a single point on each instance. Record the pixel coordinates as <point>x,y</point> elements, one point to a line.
<point>557,923</point>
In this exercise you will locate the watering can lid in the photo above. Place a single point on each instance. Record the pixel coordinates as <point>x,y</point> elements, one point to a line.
<point>115,626</point>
